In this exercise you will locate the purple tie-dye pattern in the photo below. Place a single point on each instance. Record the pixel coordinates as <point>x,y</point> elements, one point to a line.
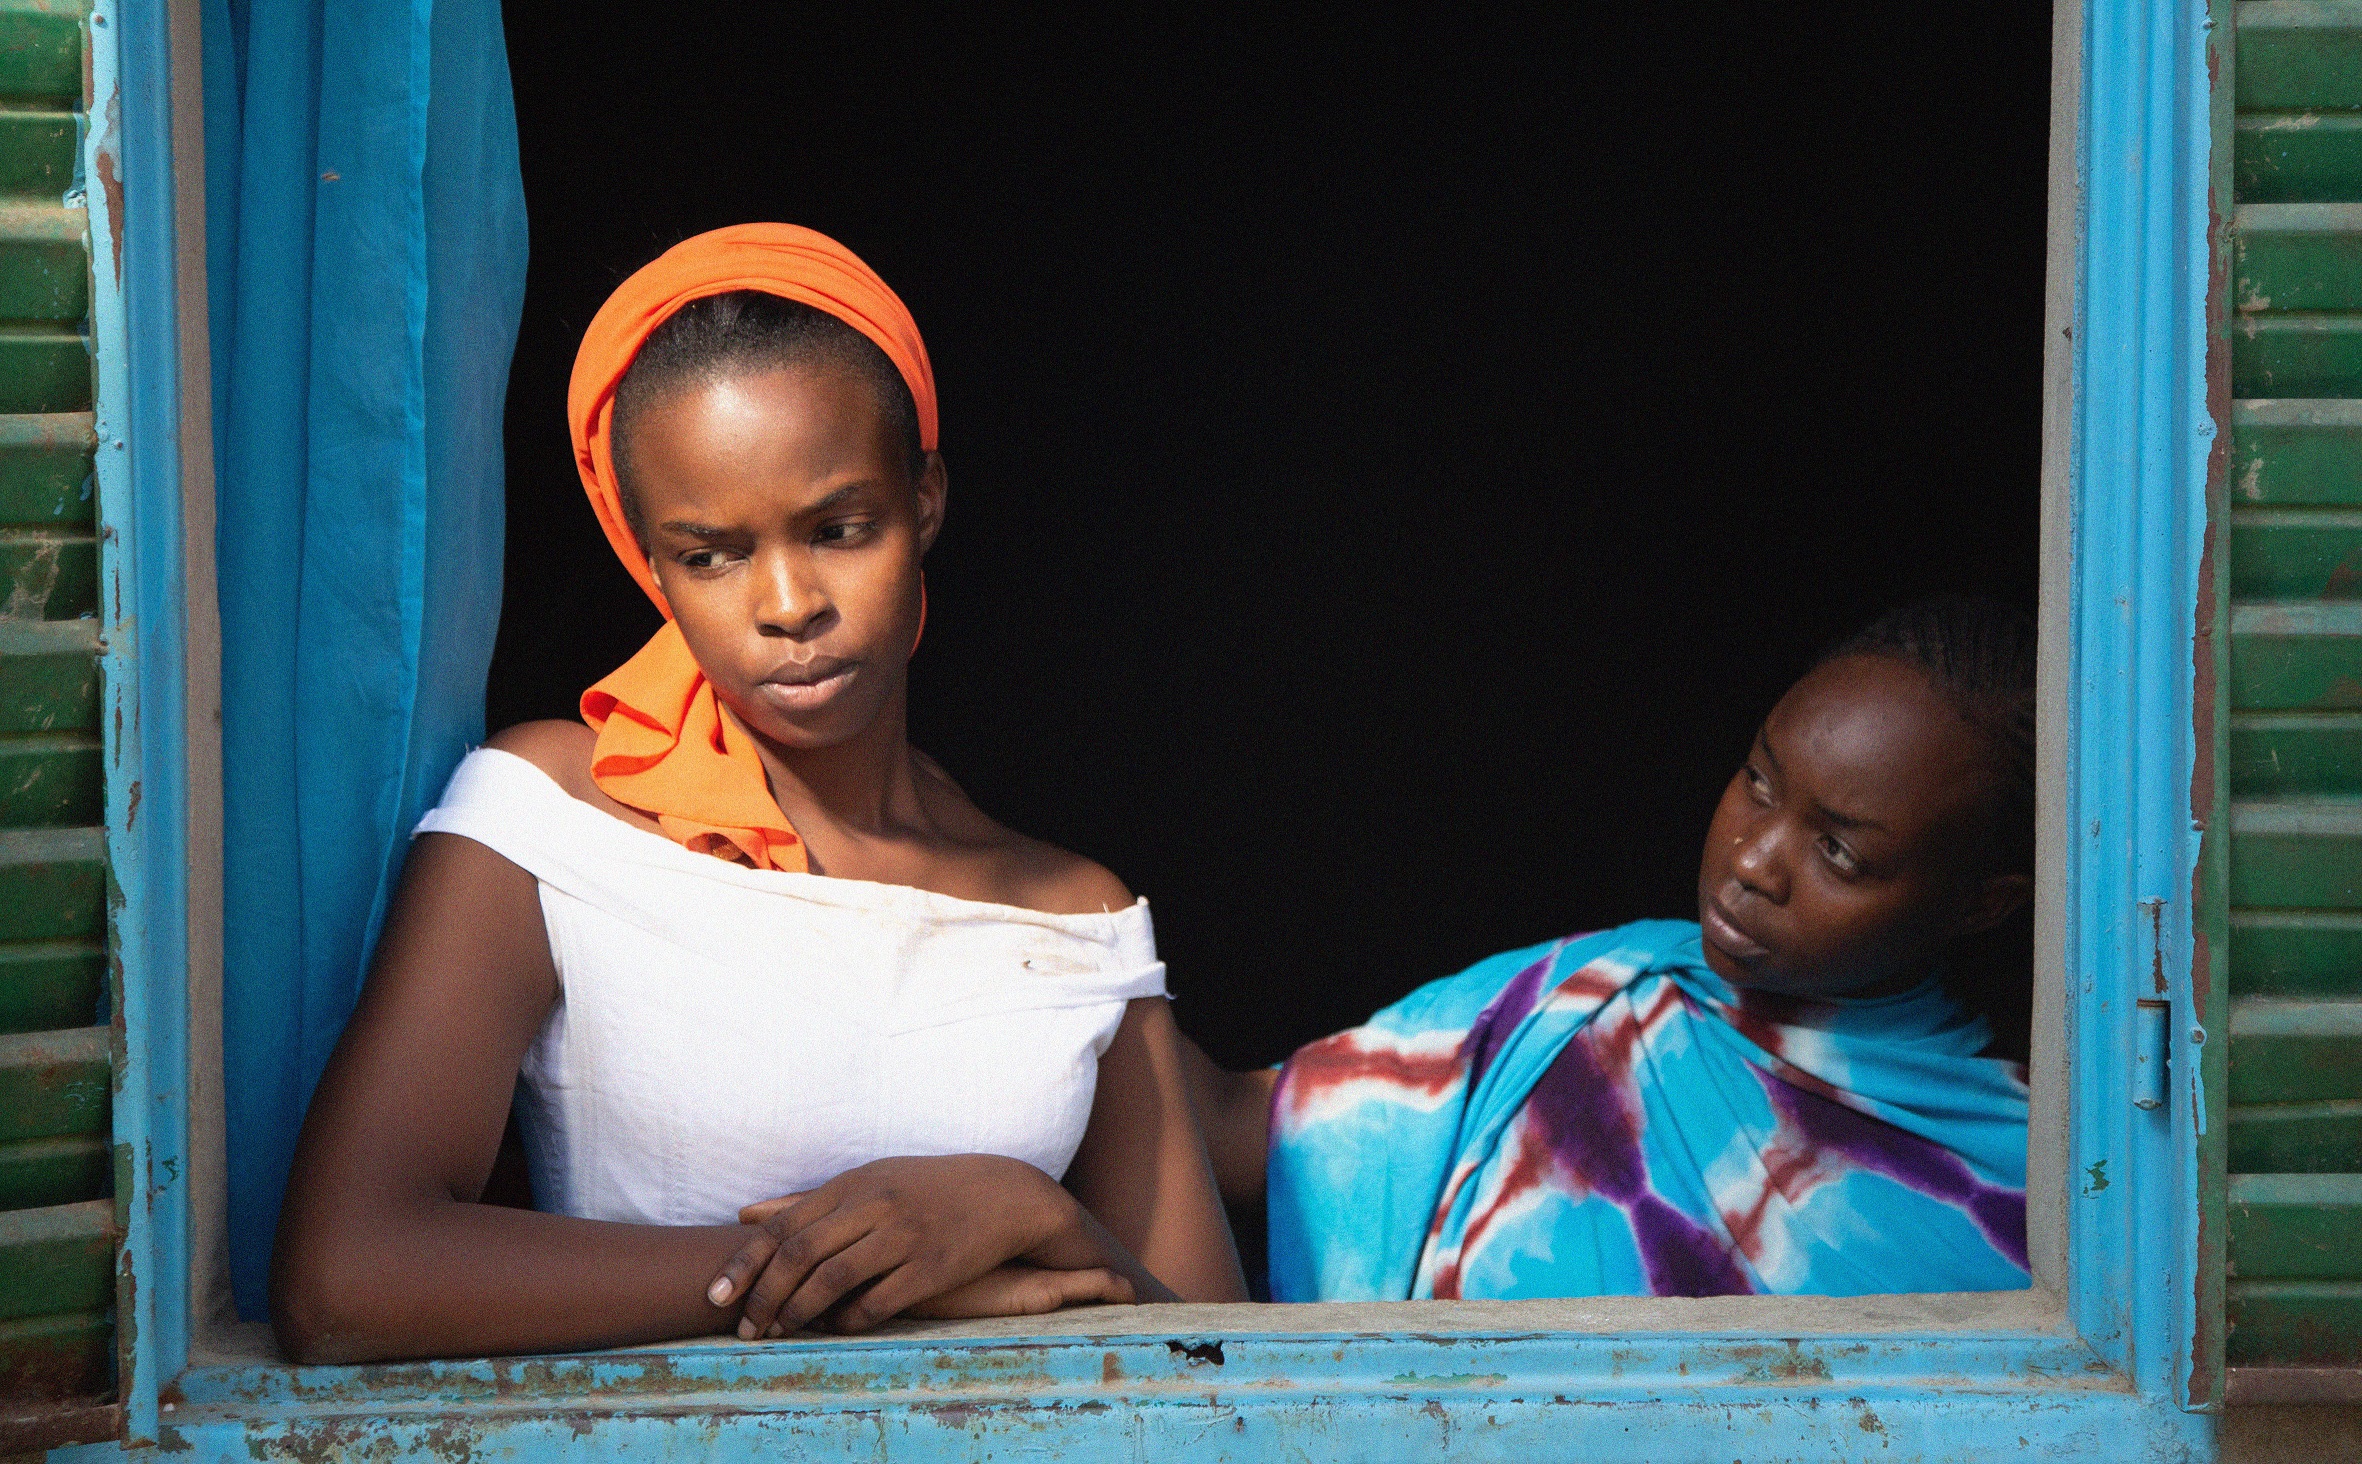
<point>1581,1112</point>
<point>1499,1020</point>
<point>1602,1067</point>
<point>1881,1148</point>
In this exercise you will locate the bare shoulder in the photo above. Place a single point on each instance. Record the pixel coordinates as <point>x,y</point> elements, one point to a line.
<point>1060,883</point>
<point>560,749</point>
<point>1031,875</point>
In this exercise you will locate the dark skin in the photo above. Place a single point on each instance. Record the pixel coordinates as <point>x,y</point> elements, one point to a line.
<point>1853,847</point>
<point>1851,850</point>
<point>786,529</point>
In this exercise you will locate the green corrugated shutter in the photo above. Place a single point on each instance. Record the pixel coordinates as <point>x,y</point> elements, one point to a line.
<point>57,1221</point>
<point>2293,738</point>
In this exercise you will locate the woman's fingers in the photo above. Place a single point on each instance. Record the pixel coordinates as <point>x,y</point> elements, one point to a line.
<point>799,1251</point>
<point>761,1210</point>
<point>740,1270</point>
<point>844,1277</point>
<point>1097,1286</point>
<point>892,1294</point>
<point>1019,1290</point>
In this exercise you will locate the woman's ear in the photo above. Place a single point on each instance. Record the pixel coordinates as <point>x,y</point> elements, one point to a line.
<point>1996,899</point>
<point>932,488</point>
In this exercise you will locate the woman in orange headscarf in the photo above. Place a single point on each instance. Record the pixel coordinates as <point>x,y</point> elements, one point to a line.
<point>796,1034</point>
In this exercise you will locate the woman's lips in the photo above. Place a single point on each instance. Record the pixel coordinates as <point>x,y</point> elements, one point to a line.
<point>1726,935</point>
<point>808,687</point>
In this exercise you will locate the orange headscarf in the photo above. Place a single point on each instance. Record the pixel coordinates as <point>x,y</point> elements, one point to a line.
<point>666,746</point>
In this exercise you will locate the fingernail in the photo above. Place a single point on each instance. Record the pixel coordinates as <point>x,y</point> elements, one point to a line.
<point>776,1331</point>
<point>746,1330</point>
<point>719,1292</point>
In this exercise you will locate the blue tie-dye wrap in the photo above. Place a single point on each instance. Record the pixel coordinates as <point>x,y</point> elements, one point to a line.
<point>1603,1115</point>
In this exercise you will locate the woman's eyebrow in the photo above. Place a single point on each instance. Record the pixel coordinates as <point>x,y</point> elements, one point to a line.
<point>839,496</point>
<point>1847,820</point>
<point>715,531</point>
<point>1831,815</point>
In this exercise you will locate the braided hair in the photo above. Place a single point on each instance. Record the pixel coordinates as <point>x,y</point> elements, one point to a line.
<point>1979,653</point>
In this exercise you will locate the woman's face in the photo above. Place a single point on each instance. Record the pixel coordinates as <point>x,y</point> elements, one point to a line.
<point>785,529</point>
<point>1853,845</point>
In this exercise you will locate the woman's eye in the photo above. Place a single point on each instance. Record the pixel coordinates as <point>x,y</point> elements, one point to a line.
<point>844,533</point>
<point>1757,783</point>
<point>704,559</point>
<point>1845,860</point>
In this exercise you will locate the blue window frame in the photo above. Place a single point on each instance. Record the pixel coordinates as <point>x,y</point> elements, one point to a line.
<point>2107,1357</point>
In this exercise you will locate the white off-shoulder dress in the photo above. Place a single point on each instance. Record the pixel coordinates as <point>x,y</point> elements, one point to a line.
<point>724,1035</point>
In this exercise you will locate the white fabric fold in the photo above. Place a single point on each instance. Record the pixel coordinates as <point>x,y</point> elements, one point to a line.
<point>725,1035</point>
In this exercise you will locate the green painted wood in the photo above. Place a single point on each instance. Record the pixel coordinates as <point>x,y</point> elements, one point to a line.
<point>2285,256</point>
<point>2283,452</point>
<point>45,477</point>
<point>48,574</point>
<point>57,1226</point>
<point>2286,899</point>
<point>41,52</point>
<point>54,1084</point>
<point>52,779</point>
<point>43,281</point>
<point>48,675</point>
<point>70,1356</point>
<point>2294,1323</point>
<point>2300,657</point>
<point>2296,953</point>
<point>2297,356</point>
<point>47,985</point>
<point>37,150</point>
<point>2275,755</point>
<point>2295,1051</point>
<point>44,275</point>
<point>37,1172</point>
<point>2281,754</point>
<point>2298,157</point>
<point>2300,856</point>
<point>45,369</point>
<point>51,693</point>
<point>2296,553</point>
<point>2299,55</point>
<point>2296,1226</point>
<point>2297,1138</point>
<point>53,885</point>
<point>57,1259</point>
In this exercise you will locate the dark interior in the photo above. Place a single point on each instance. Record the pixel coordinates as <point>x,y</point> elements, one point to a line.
<point>1395,460</point>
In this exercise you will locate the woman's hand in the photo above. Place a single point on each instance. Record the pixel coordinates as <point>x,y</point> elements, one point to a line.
<point>1019,1290</point>
<point>882,1239</point>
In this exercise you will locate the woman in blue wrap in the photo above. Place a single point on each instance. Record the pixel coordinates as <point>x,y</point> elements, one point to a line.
<point>1795,1094</point>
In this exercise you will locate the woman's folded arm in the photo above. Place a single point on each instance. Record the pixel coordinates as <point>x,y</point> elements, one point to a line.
<point>384,1250</point>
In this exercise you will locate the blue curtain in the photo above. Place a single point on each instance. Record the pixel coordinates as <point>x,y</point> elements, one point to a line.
<point>366,258</point>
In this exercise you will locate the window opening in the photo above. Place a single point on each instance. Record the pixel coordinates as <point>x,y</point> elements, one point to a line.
<point>1708,717</point>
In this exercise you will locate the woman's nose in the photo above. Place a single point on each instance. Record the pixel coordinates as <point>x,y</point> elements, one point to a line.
<point>1758,863</point>
<point>794,601</point>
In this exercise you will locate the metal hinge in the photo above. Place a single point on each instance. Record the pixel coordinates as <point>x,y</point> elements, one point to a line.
<point>2151,1046</point>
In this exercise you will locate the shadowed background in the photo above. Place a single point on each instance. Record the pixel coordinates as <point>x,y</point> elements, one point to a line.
<point>1394,462</point>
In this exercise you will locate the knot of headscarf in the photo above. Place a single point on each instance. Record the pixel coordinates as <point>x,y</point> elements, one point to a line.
<point>666,745</point>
